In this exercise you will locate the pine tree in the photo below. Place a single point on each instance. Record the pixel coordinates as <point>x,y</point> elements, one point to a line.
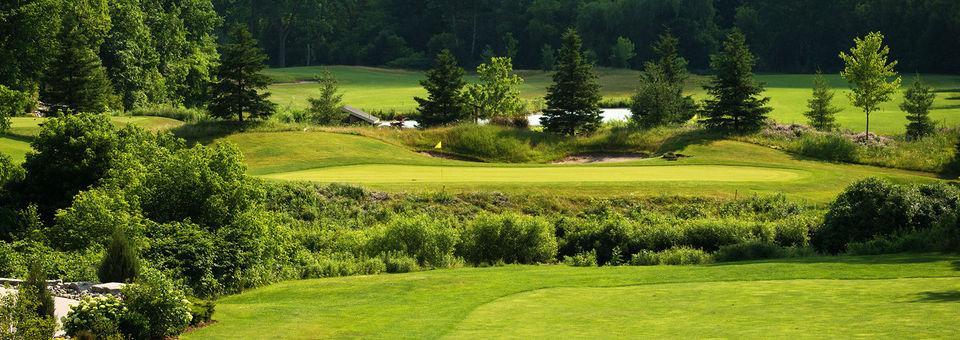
<point>444,85</point>
<point>121,263</point>
<point>917,101</point>
<point>35,293</point>
<point>821,115</point>
<point>659,100</point>
<point>573,100</point>
<point>239,88</point>
<point>673,65</point>
<point>77,81</point>
<point>736,104</point>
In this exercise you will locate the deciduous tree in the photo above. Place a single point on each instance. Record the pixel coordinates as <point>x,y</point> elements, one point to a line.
<point>496,93</point>
<point>872,78</point>
<point>622,52</point>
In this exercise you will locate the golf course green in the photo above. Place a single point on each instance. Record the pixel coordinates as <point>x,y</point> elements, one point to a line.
<point>720,168</point>
<point>891,296</point>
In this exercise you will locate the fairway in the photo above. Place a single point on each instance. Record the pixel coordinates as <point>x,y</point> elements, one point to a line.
<point>362,174</point>
<point>378,89</point>
<point>891,296</point>
<point>788,308</point>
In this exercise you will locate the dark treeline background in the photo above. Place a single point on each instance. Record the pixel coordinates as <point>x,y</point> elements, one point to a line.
<point>786,35</point>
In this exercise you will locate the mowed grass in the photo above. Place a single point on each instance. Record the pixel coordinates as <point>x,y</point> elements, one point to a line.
<point>377,89</point>
<point>16,143</point>
<point>719,168</point>
<point>912,296</point>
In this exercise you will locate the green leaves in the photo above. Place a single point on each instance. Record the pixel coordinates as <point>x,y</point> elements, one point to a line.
<point>239,88</point>
<point>444,83</point>
<point>872,78</point>
<point>574,97</point>
<point>496,94</point>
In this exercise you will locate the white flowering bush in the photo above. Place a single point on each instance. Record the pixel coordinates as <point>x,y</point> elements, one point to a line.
<point>153,298</point>
<point>98,317</point>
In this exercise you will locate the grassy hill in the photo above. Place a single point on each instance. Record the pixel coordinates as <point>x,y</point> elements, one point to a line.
<point>378,89</point>
<point>720,168</point>
<point>837,297</point>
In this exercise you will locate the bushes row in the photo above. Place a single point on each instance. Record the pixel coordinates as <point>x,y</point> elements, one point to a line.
<point>875,208</point>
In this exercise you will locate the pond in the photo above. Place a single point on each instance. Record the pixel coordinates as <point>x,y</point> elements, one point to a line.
<point>609,115</point>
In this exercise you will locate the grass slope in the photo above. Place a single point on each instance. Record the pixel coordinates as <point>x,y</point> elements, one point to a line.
<point>385,89</point>
<point>16,143</point>
<point>884,296</point>
<point>720,168</point>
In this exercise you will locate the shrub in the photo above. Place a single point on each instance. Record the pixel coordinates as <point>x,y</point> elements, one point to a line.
<point>121,263</point>
<point>584,259</point>
<point>343,264</point>
<point>508,238</point>
<point>165,309</point>
<point>750,251</point>
<point>430,241</point>
<point>34,293</point>
<point>98,318</point>
<point>645,258</point>
<point>399,263</point>
<point>684,256</point>
<point>188,252</point>
<point>201,311</point>
<point>827,147</point>
<point>710,235</point>
<point>18,320</point>
<point>485,143</point>
<point>875,208</point>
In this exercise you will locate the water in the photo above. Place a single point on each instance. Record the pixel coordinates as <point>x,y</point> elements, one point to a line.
<point>609,115</point>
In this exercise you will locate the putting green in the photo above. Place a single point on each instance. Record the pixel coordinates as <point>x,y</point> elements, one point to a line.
<point>786,309</point>
<point>434,174</point>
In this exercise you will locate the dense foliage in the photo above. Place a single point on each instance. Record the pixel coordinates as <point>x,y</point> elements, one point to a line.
<point>659,99</point>
<point>872,78</point>
<point>91,55</point>
<point>787,35</point>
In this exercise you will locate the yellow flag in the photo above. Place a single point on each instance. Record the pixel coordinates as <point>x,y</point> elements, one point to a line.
<point>439,145</point>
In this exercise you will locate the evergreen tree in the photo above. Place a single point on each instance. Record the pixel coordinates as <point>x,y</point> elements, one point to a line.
<point>121,263</point>
<point>673,65</point>
<point>77,81</point>
<point>35,293</point>
<point>659,100</point>
<point>444,85</point>
<point>821,115</point>
<point>573,100</point>
<point>240,84</point>
<point>872,79</point>
<point>327,109</point>
<point>917,101</point>
<point>736,104</point>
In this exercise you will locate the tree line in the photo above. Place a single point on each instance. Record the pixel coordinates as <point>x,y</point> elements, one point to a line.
<point>786,35</point>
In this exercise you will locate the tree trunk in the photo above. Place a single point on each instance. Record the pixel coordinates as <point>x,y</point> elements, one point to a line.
<point>282,58</point>
<point>867,135</point>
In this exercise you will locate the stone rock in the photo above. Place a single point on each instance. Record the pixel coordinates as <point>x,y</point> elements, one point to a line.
<point>112,288</point>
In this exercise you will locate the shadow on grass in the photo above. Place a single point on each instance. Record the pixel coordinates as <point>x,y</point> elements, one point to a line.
<point>946,296</point>
<point>207,132</point>
<point>684,139</point>
<point>871,259</point>
<point>21,138</point>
